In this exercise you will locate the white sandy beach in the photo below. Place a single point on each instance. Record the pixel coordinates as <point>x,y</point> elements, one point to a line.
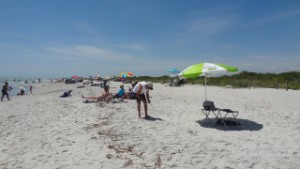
<point>44,131</point>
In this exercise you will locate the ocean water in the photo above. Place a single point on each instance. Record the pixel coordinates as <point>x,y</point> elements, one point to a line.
<point>16,83</point>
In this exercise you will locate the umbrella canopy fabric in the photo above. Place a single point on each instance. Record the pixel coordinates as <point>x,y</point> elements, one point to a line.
<point>173,71</point>
<point>74,77</point>
<point>207,70</point>
<point>126,74</point>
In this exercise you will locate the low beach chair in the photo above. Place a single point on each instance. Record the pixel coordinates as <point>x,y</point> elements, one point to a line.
<point>220,114</point>
<point>209,107</point>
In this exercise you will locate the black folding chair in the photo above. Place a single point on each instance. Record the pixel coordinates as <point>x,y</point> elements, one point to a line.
<point>220,114</point>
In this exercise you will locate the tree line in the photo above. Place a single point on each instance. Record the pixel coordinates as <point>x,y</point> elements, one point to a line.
<point>245,79</point>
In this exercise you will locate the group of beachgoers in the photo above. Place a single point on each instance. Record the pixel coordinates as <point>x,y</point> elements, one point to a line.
<point>138,91</point>
<point>6,88</point>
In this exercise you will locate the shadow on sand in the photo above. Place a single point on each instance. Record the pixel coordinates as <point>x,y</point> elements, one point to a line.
<point>244,125</point>
<point>150,118</point>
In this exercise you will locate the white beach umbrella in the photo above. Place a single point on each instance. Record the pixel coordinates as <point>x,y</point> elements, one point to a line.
<point>207,70</point>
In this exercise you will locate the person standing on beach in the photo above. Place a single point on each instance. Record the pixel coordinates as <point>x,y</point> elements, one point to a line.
<point>140,89</point>
<point>5,91</point>
<point>30,88</point>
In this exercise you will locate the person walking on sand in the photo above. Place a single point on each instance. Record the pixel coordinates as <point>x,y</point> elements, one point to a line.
<point>30,88</point>
<point>140,89</point>
<point>5,91</point>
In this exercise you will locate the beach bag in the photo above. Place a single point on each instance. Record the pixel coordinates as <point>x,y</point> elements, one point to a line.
<point>132,95</point>
<point>66,94</point>
<point>208,105</point>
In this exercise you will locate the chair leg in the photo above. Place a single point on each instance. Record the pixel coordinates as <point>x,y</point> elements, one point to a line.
<point>234,115</point>
<point>223,118</point>
<point>206,113</point>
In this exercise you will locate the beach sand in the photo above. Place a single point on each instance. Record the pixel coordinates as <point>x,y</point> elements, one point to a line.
<point>42,130</point>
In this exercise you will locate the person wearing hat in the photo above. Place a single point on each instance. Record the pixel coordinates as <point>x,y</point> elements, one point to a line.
<point>140,89</point>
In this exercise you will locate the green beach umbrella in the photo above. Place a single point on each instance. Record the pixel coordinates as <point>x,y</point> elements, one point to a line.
<point>207,70</point>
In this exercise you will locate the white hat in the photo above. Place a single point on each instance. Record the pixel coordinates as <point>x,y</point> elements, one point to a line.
<point>150,85</point>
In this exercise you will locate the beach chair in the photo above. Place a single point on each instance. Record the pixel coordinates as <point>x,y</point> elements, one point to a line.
<point>209,107</point>
<point>220,114</point>
<point>176,82</point>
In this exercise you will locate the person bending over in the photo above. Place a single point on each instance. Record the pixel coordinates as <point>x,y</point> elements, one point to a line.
<point>140,89</point>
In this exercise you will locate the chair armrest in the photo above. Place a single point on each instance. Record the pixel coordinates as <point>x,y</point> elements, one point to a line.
<point>228,110</point>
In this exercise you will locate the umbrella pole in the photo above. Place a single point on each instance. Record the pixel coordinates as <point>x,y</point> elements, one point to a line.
<point>205,88</point>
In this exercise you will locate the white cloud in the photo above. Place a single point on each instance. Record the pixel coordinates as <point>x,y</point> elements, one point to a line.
<point>269,64</point>
<point>84,52</point>
<point>13,34</point>
<point>140,65</point>
<point>211,25</point>
<point>81,25</point>
<point>86,28</point>
<point>272,18</point>
<point>136,47</point>
<point>110,62</point>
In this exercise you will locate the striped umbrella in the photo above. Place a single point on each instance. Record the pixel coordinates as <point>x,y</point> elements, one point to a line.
<point>125,74</point>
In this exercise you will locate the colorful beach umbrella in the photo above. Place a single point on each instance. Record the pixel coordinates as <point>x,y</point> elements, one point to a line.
<point>126,74</point>
<point>207,70</point>
<point>74,77</point>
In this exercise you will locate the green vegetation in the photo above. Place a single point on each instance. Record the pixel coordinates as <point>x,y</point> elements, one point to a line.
<point>242,80</point>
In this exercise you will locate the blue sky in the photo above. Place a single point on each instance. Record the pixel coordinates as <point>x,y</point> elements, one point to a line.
<point>58,38</point>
